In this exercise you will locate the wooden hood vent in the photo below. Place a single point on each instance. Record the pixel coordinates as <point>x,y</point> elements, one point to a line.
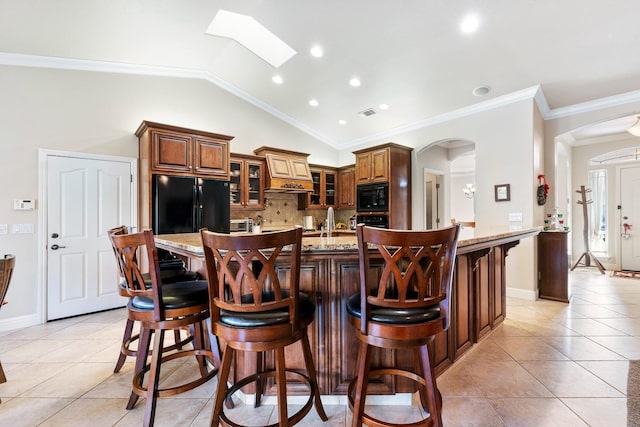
<point>287,171</point>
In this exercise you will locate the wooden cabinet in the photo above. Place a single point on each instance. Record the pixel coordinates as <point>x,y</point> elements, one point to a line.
<point>287,170</point>
<point>246,182</point>
<point>181,151</point>
<point>347,187</point>
<point>172,150</point>
<point>372,166</point>
<point>553,266</point>
<point>389,163</point>
<point>325,189</point>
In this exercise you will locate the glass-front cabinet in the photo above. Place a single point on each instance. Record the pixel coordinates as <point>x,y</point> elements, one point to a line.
<point>325,189</point>
<point>246,182</point>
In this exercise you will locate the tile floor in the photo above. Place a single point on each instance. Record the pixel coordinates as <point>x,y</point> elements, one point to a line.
<point>549,364</point>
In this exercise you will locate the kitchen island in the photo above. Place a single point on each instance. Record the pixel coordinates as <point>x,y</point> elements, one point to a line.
<point>330,273</point>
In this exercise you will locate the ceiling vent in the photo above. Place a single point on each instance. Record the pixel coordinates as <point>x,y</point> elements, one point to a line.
<point>368,112</point>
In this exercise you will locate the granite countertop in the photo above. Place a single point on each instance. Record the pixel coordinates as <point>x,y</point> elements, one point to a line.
<point>191,242</point>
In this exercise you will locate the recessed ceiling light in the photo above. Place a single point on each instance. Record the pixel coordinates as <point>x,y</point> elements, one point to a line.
<point>252,35</point>
<point>469,24</point>
<point>314,102</point>
<point>316,51</point>
<point>342,122</point>
<point>384,106</point>
<point>355,82</point>
<point>277,79</point>
<point>481,90</point>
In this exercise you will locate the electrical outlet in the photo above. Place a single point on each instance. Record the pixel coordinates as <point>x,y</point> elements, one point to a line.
<point>515,217</point>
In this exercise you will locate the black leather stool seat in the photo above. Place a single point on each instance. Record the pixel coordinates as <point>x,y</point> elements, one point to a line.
<point>177,295</point>
<point>266,318</point>
<point>394,315</point>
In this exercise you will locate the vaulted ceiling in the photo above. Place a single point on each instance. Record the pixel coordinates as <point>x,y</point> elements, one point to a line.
<point>409,54</point>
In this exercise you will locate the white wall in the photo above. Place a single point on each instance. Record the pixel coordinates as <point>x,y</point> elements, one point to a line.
<point>98,113</point>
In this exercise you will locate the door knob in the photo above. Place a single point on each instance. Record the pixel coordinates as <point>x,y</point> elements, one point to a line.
<point>56,247</point>
<point>55,235</point>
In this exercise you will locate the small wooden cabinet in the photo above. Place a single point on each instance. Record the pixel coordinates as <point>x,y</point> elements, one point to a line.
<point>325,189</point>
<point>347,187</point>
<point>181,151</point>
<point>553,266</point>
<point>246,182</point>
<point>372,166</point>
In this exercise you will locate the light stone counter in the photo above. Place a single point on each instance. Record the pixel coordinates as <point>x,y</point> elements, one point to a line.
<point>191,243</point>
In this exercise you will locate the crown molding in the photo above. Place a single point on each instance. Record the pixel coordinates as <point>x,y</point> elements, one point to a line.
<point>37,61</point>
<point>534,92</point>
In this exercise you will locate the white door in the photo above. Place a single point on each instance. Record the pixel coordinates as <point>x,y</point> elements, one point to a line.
<point>85,198</point>
<point>630,215</point>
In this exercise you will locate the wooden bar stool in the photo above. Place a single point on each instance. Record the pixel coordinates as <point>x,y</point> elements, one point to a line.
<point>158,309</point>
<point>6,271</point>
<point>404,308</point>
<point>169,275</point>
<point>256,308</point>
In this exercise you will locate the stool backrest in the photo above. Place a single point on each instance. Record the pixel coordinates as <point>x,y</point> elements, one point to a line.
<point>127,247</point>
<point>416,272</point>
<point>241,268</point>
<point>6,271</point>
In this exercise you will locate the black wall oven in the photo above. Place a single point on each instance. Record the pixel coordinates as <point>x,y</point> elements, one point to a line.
<point>372,197</point>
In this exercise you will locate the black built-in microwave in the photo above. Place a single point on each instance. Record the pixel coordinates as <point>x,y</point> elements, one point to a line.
<point>372,197</point>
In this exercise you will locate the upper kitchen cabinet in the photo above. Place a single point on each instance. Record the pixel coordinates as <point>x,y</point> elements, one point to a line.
<point>247,182</point>
<point>372,165</point>
<point>181,151</point>
<point>325,189</point>
<point>347,187</point>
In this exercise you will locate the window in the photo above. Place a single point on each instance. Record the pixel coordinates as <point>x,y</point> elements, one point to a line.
<point>598,210</point>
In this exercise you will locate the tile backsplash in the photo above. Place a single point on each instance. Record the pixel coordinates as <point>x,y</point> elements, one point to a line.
<point>281,211</point>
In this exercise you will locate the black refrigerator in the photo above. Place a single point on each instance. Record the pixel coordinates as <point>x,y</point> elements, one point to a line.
<point>185,205</point>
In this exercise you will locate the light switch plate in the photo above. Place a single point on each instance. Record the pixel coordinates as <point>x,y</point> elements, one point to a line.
<point>4,228</point>
<point>22,228</point>
<point>515,217</point>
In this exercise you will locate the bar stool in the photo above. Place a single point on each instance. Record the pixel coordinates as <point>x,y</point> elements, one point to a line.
<point>404,309</point>
<point>256,307</point>
<point>6,271</point>
<point>171,274</point>
<point>158,309</point>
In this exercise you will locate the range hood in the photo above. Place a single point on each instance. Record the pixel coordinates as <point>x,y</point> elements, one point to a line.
<point>287,171</point>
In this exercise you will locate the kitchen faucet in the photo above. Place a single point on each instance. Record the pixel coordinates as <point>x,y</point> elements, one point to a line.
<point>331,222</point>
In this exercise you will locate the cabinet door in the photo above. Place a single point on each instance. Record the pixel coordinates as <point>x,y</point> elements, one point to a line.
<point>170,152</point>
<point>314,199</point>
<point>211,157</point>
<point>347,188</point>
<point>363,168</point>
<point>330,188</point>
<point>236,183</point>
<point>254,185</point>
<point>380,165</point>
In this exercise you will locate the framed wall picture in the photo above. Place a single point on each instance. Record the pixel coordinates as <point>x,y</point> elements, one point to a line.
<point>503,193</point>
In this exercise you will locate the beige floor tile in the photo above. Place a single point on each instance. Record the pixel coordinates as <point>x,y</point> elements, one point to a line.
<point>628,347</point>
<point>536,412</point>
<point>568,379</point>
<point>581,348</point>
<point>600,412</point>
<point>30,412</point>
<point>505,379</point>
<point>89,412</point>
<point>474,412</point>
<point>612,372</point>
<point>591,327</point>
<point>72,382</point>
<point>528,348</point>
<point>170,412</point>
<point>626,325</point>
<point>22,377</point>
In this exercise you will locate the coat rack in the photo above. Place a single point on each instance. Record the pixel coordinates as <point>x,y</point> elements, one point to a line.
<point>587,255</point>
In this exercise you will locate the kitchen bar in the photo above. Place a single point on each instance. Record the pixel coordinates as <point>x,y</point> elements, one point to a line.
<point>330,274</point>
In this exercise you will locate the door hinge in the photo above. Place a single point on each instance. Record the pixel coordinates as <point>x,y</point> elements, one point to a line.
<point>131,179</point>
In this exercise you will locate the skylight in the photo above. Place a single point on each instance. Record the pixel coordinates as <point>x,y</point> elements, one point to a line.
<point>252,35</point>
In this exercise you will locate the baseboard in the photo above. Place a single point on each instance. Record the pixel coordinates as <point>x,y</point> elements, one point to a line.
<point>19,322</point>
<point>522,294</point>
<point>399,399</point>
